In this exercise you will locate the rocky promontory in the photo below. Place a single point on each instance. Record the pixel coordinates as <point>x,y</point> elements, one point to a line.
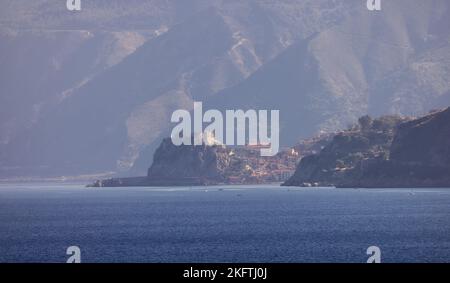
<point>197,165</point>
<point>419,157</point>
<point>386,152</point>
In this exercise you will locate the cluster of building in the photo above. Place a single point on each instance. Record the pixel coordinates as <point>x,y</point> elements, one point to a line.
<point>248,166</point>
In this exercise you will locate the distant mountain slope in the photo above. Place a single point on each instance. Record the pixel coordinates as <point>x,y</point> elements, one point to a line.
<point>93,118</point>
<point>46,66</point>
<point>97,14</point>
<point>126,108</point>
<point>395,61</point>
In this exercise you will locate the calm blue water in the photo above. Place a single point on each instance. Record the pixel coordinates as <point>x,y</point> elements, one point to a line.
<point>222,224</point>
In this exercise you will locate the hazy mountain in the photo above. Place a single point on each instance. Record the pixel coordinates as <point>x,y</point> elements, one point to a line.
<point>96,90</point>
<point>97,14</point>
<point>395,61</point>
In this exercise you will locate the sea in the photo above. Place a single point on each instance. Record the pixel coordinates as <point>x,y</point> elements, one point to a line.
<point>222,224</point>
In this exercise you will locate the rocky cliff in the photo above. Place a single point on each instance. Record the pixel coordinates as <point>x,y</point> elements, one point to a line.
<point>203,162</point>
<point>386,152</point>
<point>368,140</point>
<point>419,157</point>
